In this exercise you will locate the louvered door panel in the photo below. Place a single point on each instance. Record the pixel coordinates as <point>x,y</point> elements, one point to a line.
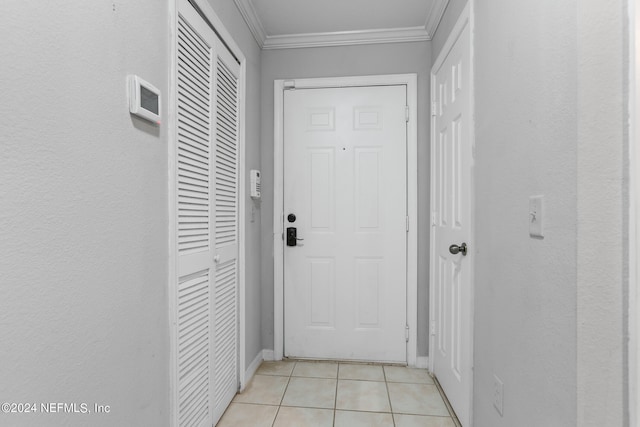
<point>225,355</point>
<point>193,351</point>
<point>226,157</point>
<point>207,222</point>
<point>194,178</point>
<point>194,136</point>
<point>226,233</point>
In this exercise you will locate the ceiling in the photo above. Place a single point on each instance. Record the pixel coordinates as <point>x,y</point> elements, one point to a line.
<point>279,24</point>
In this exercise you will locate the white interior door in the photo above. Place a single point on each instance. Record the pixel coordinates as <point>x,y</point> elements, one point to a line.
<point>207,222</point>
<point>345,181</point>
<point>451,223</point>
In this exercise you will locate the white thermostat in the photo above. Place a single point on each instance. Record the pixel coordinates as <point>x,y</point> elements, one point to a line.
<point>255,184</point>
<point>144,99</point>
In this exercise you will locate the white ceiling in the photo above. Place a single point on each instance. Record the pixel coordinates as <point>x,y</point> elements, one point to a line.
<point>278,24</point>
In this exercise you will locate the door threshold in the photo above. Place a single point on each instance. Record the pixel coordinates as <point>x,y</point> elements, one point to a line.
<point>349,361</point>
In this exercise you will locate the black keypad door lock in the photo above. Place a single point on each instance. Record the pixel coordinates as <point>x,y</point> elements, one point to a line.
<point>292,236</point>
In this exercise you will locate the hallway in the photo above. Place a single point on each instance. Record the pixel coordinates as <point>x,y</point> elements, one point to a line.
<point>143,261</point>
<point>304,393</point>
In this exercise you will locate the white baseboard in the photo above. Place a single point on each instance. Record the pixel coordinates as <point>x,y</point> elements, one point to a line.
<point>251,370</point>
<point>268,355</point>
<point>422,362</point>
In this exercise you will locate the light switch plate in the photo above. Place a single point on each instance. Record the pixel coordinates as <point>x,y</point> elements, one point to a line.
<point>498,394</point>
<point>536,216</point>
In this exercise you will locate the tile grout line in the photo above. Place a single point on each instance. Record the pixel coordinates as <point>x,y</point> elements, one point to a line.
<point>276,417</point>
<point>386,384</point>
<point>283,394</point>
<point>335,400</point>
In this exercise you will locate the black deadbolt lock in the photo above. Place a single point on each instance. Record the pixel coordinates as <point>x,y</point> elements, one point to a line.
<point>292,235</point>
<point>291,218</point>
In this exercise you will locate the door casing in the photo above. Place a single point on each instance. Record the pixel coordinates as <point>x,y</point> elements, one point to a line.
<point>410,80</point>
<point>633,308</point>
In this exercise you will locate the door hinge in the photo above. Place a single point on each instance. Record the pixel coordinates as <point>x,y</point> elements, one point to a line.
<point>433,328</point>
<point>406,113</point>
<point>434,219</point>
<point>282,225</point>
<point>407,224</point>
<point>290,85</point>
<point>406,333</point>
<point>434,106</point>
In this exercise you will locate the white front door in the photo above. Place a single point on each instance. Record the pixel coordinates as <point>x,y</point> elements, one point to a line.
<point>345,182</point>
<point>451,161</point>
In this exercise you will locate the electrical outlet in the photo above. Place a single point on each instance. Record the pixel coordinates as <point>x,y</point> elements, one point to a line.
<point>498,394</point>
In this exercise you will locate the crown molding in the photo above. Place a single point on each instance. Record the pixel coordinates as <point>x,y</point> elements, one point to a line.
<point>340,38</point>
<point>343,38</point>
<point>250,16</point>
<point>435,16</point>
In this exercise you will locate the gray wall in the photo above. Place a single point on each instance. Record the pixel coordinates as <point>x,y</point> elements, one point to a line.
<point>526,144</point>
<point>83,212</point>
<point>550,110</point>
<point>235,24</point>
<point>346,61</point>
<point>540,68</point>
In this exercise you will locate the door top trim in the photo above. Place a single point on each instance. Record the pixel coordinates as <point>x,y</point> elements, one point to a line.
<point>349,81</point>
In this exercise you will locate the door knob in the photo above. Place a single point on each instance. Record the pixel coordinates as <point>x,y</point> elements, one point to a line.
<point>454,249</point>
<point>216,259</point>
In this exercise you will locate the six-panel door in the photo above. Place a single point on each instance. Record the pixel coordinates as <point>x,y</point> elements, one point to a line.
<point>345,181</point>
<point>451,224</point>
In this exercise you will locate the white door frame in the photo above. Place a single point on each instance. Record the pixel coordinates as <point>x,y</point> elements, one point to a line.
<point>410,80</point>
<point>633,308</point>
<point>225,36</point>
<point>466,18</point>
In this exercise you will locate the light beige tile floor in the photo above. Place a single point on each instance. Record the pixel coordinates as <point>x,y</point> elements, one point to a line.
<point>326,394</point>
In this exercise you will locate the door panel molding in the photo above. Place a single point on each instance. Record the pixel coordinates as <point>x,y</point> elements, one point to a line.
<point>410,80</point>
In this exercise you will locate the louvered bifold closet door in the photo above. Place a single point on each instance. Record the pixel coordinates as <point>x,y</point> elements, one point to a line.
<point>226,229</point>
<point>195,94</point>
<point>207,222</point>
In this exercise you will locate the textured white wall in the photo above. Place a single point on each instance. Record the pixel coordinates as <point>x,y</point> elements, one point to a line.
<point>602,221</point>
<point>234,23</point>
<point>83,212</point>
<point>526,144</point>
<point>394,58</point>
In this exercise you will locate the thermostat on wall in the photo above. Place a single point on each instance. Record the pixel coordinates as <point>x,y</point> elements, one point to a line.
<point>144,99</point>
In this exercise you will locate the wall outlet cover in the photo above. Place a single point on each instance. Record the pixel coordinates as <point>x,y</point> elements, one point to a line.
<point>498,394</point>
